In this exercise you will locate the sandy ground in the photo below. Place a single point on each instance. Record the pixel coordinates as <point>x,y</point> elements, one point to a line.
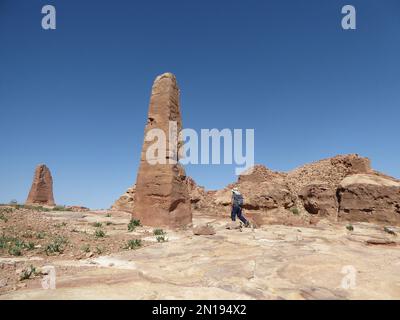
<point>322,261</point>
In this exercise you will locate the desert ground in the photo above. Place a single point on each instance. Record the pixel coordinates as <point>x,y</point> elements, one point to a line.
<point>94,258</point>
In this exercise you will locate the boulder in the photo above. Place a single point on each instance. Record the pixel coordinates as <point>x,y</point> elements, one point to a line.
<point>204,230</point>
<point>319,199</point>
<point>41,192</point>
<point>369,198</point>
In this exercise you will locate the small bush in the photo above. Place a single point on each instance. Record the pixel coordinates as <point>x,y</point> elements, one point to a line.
<point>57,246</point>
<point>159,232</point>
<point>99,250</point>
<point>86,248</point>
<point>295,211</point>
<point>99,233</point>
<point>161,239</point>
<point>97,225</point>
<point>3,217</point>
<point>27,273</point>
<point>350,227</point>
<point>133,224</point>
<point>133,244</point>
<point>108,215</point>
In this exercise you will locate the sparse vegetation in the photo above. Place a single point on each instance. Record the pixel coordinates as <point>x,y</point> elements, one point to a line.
<point>27,273</point>
<point>295,211</point>
<point>99,250</point>
<point>61,208</point>
<point>159,232</point>
<point>41,235</point>
<point>86,248</point>
<point>133,224</point>
<point>133,244</point>
<point>57,246</point>
<point>389,231</point>
<point>97,225</point>
<point>108,223</point>
<point>161,239</point>
<point>99,233</point>
<point>350,227</point>
<point>3,217</point>
<point>108,215</point>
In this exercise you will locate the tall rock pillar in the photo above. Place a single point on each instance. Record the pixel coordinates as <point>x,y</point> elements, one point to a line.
<point>41,192</point>
<point>162,197</point>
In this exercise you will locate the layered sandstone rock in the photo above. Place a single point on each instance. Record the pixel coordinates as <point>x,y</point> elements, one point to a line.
<point>161,197</point>
<point>369,198</point>
<point>320,199</point>
<point>126,201</point>
<point>41,192</point>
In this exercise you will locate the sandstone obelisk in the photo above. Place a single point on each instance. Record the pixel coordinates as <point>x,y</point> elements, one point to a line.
<point>162,197</point>
<point>41,192</point>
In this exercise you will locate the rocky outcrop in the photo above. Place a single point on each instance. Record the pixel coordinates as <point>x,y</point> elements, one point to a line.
<point>41,192</point>
<point>162,197</point>
<point>320,199</point>
<point>126,201</point>
<point>369,198</point>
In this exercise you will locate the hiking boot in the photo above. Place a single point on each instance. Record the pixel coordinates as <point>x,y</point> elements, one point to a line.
<point>247,224</point>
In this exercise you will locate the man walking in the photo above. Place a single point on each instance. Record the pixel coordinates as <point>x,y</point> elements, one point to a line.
<point>237,203</point>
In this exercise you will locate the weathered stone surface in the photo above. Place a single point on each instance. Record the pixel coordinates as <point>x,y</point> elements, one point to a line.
<point>204,230</point>
<point>41,192</point>
<point>369,198</point>
<point>126,201</point>
<point>161,197</point>
<point>320,199</point>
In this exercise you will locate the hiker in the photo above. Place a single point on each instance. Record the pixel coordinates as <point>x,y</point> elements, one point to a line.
<point>237,203</point>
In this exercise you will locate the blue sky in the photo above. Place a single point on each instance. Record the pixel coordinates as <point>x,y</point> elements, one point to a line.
<point>76,98</point>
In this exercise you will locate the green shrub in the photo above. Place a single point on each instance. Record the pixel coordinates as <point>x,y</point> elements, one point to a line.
<point>295,211</point>
<point>133,244</point>
<point>99,233</point>
<point>350,227</point>
<point>161,239</point>
<point>97,225</point>
<point>40,235</point>
<point>133,224</point>
<point>3,217</point>
<point>86,248</point>
<point>57,246</point>
<point>159,232</point>
<point>27,273</point>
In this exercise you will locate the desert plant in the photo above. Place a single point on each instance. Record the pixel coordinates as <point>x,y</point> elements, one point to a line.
<point>97,225</point>
<point>99,233</point>
<point>133,224</point>
<point>158,232</point>
<point>99,250</point>
<point>3,217</point>
<point>108,215</point>
<point>57,246</point>
<point>161,239</point>
<point>86,248</point>
<point>350,227</point>
<point>27,273</point>
<point>133,244</point>
<point>295,211</point>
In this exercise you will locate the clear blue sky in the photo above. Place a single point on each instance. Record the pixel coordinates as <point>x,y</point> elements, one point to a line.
<point>76,98</point>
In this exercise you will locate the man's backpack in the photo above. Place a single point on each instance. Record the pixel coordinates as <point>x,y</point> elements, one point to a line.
<point>238,199</point>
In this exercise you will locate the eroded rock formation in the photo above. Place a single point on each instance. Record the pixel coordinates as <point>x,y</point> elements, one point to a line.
<point>41,192</point>
<point>161,197</point>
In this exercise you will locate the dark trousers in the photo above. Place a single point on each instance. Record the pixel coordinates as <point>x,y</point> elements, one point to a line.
<point>237,211</point>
